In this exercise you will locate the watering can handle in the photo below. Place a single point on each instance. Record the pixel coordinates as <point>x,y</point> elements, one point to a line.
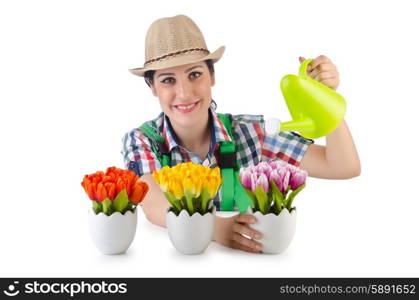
<point>302,71</point>
<point>273,126</point>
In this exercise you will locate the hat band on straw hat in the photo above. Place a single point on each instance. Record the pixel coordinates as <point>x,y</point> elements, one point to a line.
<point>174,54</point>
<point>178,58</point>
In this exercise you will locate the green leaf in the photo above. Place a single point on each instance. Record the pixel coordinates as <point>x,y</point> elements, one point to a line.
<point>176,205</point>
<point>189,202</point>
<point>253,198</point>
<point>278,196</point>
<point>271,202</point>
<point>120,203</point>
<point>196,204</point>
<point>292,196</point>
<point>287,191</point>
<point>183,203</point>
<point>262,199</point>
<point>131,206</point>
<point>205,198</point>
<point>107,207</point>
<point>97,206</point>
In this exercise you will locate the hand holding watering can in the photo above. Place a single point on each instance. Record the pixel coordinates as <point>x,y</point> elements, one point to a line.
<point>323,70</point>
<point>315,107</point>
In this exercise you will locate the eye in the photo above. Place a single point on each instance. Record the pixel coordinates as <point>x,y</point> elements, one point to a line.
<point>194,75</point>
<point>168,80</point>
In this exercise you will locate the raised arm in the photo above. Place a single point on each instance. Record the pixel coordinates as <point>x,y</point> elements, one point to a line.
<point>339,158</point>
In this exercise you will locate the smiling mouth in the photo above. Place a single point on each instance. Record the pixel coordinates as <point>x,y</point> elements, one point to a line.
<point>187,107</point>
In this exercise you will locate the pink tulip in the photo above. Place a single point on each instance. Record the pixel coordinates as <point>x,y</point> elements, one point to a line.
<point>276,164</point>
<point>262,181</point>
<point>285,182</point>
<point>246,178</point>
<point>291,169</point>
<point>264,167</point>
<point>278,176</point>
<point>283,174</point>
<point>253,181</point>
<point>272,163</point>
<point>241,172</point>
<point>274,176</point>
<point>251,169</point>
<point>298,179</point>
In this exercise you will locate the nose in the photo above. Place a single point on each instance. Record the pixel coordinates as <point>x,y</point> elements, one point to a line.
<point>184,90</point>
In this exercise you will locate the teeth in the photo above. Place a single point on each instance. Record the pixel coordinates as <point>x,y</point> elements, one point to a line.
<point>186,106</point>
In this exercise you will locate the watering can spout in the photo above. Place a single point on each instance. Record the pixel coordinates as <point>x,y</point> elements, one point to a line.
<point>304,124</point>
<point>273,126</point>
<point>316,109</point>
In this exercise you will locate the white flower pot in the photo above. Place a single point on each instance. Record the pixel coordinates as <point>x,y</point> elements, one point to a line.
<point>112,234</point>
<point>277,230</point>
<point>190,234</point>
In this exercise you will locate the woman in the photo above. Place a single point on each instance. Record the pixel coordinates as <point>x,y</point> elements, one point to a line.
<point>179,70</point>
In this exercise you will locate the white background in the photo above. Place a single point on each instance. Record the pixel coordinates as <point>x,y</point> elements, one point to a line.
<point>67,98</point>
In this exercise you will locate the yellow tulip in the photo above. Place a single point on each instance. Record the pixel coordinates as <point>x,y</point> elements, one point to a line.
<point>212,187</point>
<point>176,189</point>
<point>188,185</point>
<point>212,182</point>
<point>198,185</point>
<point>156,176</point>
<point>193,184</point>
<point>189,180</point>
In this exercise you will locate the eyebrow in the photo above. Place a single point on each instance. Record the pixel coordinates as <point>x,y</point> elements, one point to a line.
<point>186,71</point>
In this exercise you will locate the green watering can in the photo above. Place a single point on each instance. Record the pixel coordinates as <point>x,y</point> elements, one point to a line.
<point>316,109</point>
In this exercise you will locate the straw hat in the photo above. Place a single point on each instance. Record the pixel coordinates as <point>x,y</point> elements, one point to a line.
<point>173,42</point>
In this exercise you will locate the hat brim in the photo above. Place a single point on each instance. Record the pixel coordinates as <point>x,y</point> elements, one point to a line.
<point>180,60</point>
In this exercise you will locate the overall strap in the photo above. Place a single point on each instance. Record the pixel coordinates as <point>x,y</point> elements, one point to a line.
<point>158,146</point>
<point>232,190</point>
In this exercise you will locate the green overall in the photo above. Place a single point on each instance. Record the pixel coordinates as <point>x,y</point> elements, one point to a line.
<point>232,192</point>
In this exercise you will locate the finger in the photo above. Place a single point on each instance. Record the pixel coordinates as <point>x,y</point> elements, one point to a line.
<point>318,71</point>
<point>239,246</point>
<point>246,218</point>
<point>246,242</point>
<point>323,67</point>
<point>319,60</point>
<point>301,59</point>
<point>332,83</point>
<point>244,229</point>
<point>325,75</point>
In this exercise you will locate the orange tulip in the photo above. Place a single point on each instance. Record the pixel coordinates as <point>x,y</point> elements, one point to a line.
<point>101,193</point>
<point>101,185</point>
<point>88,187</point>
<point>127,180</point>
<point>90,191</point>
<point>120,185</point>
<point>110,189</point>
<point>138,192</point>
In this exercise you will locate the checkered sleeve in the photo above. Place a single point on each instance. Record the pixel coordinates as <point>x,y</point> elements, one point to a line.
<point>137,154</point>
<point>287,146</point>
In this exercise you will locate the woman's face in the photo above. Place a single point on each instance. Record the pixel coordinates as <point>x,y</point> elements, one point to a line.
<point>184,92</point>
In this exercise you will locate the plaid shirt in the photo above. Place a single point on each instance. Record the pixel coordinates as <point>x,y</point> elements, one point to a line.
<point>252,145</point>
